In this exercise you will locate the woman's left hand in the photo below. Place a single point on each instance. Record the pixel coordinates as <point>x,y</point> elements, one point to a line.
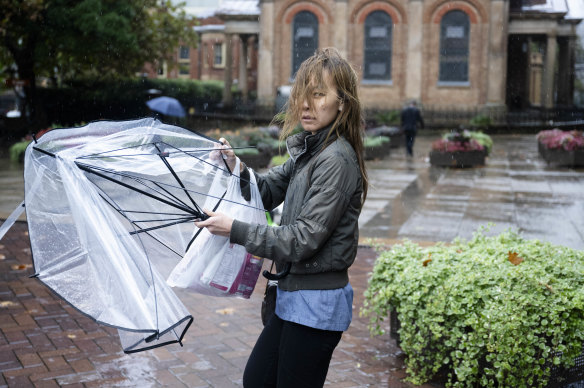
<point>217,223</point>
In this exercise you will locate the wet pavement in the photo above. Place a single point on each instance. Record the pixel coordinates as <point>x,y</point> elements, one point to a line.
<point>515,189</point>
<point>46,343</point>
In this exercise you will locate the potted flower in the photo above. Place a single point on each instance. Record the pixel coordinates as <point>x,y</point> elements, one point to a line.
<point>561,148</point>
<point>500,311</point>
<point>462,148</point>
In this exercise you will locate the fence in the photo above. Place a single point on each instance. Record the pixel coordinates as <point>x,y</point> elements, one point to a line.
<point>493,119</point>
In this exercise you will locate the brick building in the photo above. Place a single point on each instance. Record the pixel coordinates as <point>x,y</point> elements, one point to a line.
<point>216,48</point>
<point>494,54</point>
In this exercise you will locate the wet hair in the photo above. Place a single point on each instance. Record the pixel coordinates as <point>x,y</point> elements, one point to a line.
<point>350,122</point>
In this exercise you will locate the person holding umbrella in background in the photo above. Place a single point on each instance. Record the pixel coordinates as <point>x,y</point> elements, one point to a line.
<point>167,107</point>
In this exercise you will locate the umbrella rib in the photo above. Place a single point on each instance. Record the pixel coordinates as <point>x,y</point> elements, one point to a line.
<point>117,149</point>
<point>199,231</point>
<point>98,156</point>
<point>167,164</point>
<point>167,194</point>
<point>160,213</point>
<point>142,230</point>
<point>101,156</point>
<point>165,219</point>
<point>196,157</point>
<point>91,171</point>
<point>218,149</point>
<point>122,212</point>
<point>204,161</point>
<point>169,185</point>
<point>176,187</point>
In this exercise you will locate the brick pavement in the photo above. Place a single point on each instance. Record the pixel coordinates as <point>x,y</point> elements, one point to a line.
<point>44,342</point>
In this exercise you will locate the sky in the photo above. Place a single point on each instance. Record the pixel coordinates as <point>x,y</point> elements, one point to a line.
<point>200,7</point>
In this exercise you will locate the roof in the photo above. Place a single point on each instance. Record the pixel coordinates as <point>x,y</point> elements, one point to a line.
<point>570,9</point>
<point>239,8</point>
<point>575,9</point>
<point>199,8</point>
<point>209,28</point>
<point>544,6</point>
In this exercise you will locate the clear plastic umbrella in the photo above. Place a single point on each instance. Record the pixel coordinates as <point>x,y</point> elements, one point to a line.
<point>110,208</point>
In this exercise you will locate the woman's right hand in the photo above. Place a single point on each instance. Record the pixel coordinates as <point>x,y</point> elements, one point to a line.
<point>225,151</point>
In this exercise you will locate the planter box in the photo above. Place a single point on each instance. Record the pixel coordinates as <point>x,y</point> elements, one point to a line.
<point>559,376</point>
<point>458,159</point>
<point>561,157</point>
<point>397,139</point>
<point>378,152</point>
<point>395,134</point>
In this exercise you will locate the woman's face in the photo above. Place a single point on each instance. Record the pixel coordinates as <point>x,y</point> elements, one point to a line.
<point>326,107</point>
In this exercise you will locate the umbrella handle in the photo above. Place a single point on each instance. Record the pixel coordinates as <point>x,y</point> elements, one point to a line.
<point>277,276</point>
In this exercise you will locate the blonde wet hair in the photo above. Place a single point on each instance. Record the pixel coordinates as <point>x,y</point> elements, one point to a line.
<point>349,122</point>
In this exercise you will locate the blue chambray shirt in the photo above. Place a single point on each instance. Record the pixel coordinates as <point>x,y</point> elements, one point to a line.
<point>319,309</point>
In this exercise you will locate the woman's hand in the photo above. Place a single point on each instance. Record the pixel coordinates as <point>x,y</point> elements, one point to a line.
<point>225,151</point>
<point>217,223</point>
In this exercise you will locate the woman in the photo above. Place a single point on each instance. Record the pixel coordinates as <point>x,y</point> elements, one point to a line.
<point>323,186</point>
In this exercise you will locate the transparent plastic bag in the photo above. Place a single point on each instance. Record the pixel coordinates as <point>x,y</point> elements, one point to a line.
<point>214,266</point>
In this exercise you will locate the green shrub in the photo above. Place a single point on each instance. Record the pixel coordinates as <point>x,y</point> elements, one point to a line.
<point>390,117</point>
<point>493,311</point>
<point>247,151</point>
<point>483,139</point>
<point>375,141</point>
<point>279,159</point>
<point>480,121</point>
<point>17,150</point>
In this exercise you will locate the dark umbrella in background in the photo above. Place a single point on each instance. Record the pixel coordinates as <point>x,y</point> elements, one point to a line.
<point>167,106</point>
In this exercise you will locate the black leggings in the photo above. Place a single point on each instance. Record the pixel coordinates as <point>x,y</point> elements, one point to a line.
<point>290,355</point>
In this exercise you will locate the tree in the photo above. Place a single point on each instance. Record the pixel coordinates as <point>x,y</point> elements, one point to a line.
<point>69,38</point>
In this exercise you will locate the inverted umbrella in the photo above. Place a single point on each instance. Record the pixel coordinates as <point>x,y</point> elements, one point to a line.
<point>110,208</point>
<point>167,106</point>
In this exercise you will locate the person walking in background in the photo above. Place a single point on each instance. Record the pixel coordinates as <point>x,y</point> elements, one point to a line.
<point>410,117</point>
<point>323,186</point>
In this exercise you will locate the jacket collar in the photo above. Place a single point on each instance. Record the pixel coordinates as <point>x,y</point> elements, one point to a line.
<point>307,142</point>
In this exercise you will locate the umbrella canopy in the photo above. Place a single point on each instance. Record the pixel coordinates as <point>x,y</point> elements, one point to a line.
<point>167,106</point>
<point>110,208</point>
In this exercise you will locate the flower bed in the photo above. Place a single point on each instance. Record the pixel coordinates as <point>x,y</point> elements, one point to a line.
<point>561,148</point>
<point>494,311</point>
<point>461,149</point>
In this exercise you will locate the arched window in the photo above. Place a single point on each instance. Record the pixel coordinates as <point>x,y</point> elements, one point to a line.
<point>454,47</point>
<point>304,38</point>
<point>378,34</point>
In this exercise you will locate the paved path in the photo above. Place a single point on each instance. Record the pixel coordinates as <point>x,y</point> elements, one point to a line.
<point>516,189</point>
<point>46,343</point>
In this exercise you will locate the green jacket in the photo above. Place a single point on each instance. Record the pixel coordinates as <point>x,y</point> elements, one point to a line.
<point>319,231</point>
